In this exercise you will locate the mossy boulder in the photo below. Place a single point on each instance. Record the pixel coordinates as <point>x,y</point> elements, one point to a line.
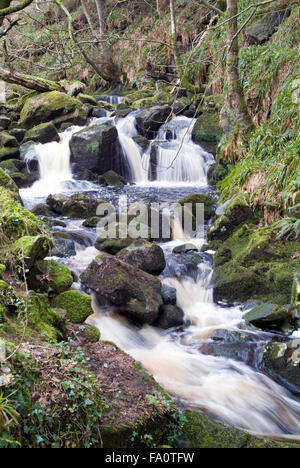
<point>81,207</point>
<point>77,305</point>
<point>45,107</point>
<point>44,321</point>
<point>18,133</point>
<point>144,255</point>
<point>91,334</point>
<point>282,360</point>
<point>184,248</point>
<point>9,153</point>
<point>15,220</point>
<point>133,292</point>
<point>4,122</point>
<point>207,131</point>
<point>266,314</point>
<point>171,316</point>
<point>56,202</point>
<point>200,431</point>
<point>31,249</point>
<point>7,182</point>
<point>141,141</point>
<point>199,198</point>
<point>115,238</point>
<point>149,121</point>
<point>42,133</point>
<point>111,179</point>
<point>8,141</point>
<point>49,276</point>
<point>260,31</point>
<point>237,211</point>
<point>222,256</point>
<point>93,148</point>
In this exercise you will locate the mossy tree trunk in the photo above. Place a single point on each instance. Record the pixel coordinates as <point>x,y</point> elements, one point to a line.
<point>6,8</point>
<point>235,94</point>
<point>28,81</point>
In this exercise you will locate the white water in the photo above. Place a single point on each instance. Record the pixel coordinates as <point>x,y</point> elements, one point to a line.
<point>179,160</point>
<point>132,152</point>
<point>229,390</point>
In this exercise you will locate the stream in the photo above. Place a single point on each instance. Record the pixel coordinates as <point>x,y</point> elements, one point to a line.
<point>185,361</point>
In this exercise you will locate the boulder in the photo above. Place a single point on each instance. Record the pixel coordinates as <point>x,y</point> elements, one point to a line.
<point>144,255</point>
<point>141,141</point>
<point>95,148</point>
<point>42,209</point>
<point>47,106</point>
<point>42,133</point>
<point>49,276</point>
<point>237,211</point>
<point>77,206</point>
<point>170,316</point>
<point>282,360</point>
<point>31,249</point>
<point>18,133</point>
<point>184,248</point>
<point>111,179</point>
<point>121,239</point>
<point>260,31</point>
<point>266,314</point>
<point>77,305</point>
<point>8,141</point>
<point>134,293</point>
<point>11,166</point>
<point>7,182</point>
<point>4,122</point>
<point>200,198</point>
<point>9,153</point>
<point>169,294</point>
<point>207,131</point>
<point>149,121</point>
<point>64,248</point>
<point>222,256</point>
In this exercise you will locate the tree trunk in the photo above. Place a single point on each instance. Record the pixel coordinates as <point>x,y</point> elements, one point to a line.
<point>235,94</point>
<point>28,81</point>
<point>6,8</point>
<point>174,36</point>
<point>100,11</point>
<point>158,7</point>
<point>88,18</point>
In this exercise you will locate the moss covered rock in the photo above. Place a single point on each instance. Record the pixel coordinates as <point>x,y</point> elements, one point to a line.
<point>49,276</point>
<point>31,249</point>
<point>144,255</point>
<point>8,141</point>
<point>47,106</point>
<point>207,131</point>
<point>133,292</point>
<point>44,319</point>
<point>199,198</point>
<point>42,133</point>
<point>7,182</point>
<point>283,360</point>
<point>267,314</point>
<point>77,305</point>
<point>112,179</point>
<point>200,431</point>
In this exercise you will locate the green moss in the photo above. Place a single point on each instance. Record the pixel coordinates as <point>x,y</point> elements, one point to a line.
<point>200,431</point>
<point>15,220</point>
<point>43,319</point>
<point>30,249</point>
<point>7,182</point>
<point>91,333</point>
<point>49,276</point>
<point>77,305</point>
<point>46,106</point>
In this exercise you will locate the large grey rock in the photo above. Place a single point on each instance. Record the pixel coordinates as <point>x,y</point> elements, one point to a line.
<point>144,255</point>
<point>260,31</point>
<point>95,148</point>
<point>133,292</point>
<point>149,121</point>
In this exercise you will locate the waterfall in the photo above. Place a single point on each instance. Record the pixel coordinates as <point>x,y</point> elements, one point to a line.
<point>112,99</point>
<point>54,164</point>
<point>227,389</point>
<point>177,158</point>
<point>131,150</point>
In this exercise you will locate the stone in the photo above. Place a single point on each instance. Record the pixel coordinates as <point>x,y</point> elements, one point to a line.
<point>260,31</point>
<point>95,148</point>
<point>184,248</point>
<point>48,276</point>
<point>283,360</point>
<point>132,292</point>
<point>170,316</point>
<point>77,305</point>
<point>144,255</point>
<point>111,179</point>
<point>207,131</point>
<point>43,133</point>
<point>149,121</point>
<point>45,107</point>
<point>266,314</point>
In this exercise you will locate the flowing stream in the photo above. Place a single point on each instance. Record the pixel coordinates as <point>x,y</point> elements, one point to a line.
<point>230,390</point>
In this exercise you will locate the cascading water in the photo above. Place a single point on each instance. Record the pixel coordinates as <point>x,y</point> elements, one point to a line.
<point>177,158</point>
<point>227,389</point>
<point>131,151</point>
